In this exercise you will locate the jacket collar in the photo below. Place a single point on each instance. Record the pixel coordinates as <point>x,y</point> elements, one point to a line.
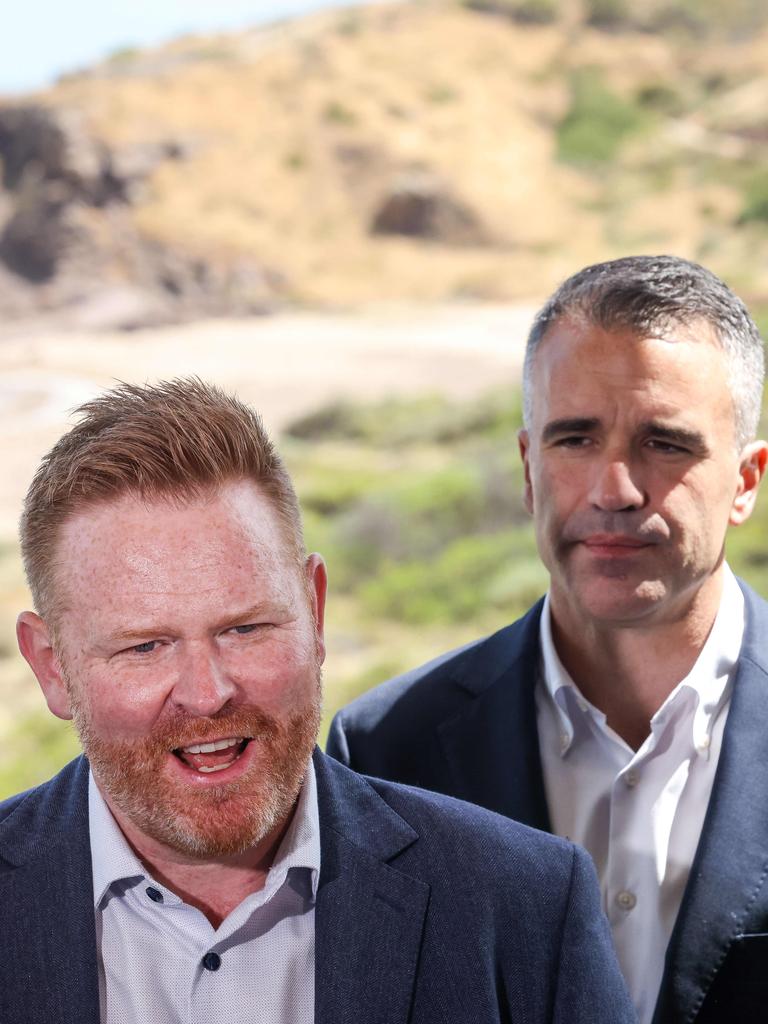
<point>731,861</point>
<point>492,744</point>
<point>47,874</point>
<point>369,916</point>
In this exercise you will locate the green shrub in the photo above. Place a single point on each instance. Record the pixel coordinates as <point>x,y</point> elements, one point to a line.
<point>349,25</point>
<point>398,422</point>
<point>413,519</point>
<point>696,18</point>
<point>736,18</point>
<point>441,93</point>
<point>759,311</point>
<point>295,160</point>
<point>662,98</point>
<point>124,55</point>
<point>329,492</point>
<point>755,207</point>
<point>41,745</point>
<point>417,516</point>
<point>598,121</point>
<point>609,14</point>
<point>471,576</point>
<point>337,113</point>
<point>525,12</point>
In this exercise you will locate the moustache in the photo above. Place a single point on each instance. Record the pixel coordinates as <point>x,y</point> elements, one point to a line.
<point>120,760</point>
<point>629,525</point>
<point>180,729</point>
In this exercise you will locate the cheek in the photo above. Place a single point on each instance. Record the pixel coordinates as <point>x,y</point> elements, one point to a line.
<point>277,676</point>
<point>697,506</point>
<point>554,494</point>
<point>120,707</point>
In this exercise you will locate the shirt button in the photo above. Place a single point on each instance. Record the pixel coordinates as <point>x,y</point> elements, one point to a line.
<point>154,894</point>
<point>631,778</point>
<point>703,745</point>
<point>211,961</point>
<point>564,741</point>
<point>581,704</point>
<point>626,900</point>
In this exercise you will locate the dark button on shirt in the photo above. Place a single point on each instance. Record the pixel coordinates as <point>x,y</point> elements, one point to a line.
<point>211,961</point>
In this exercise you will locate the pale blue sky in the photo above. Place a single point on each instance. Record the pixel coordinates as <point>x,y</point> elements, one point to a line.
<point>40,39</point>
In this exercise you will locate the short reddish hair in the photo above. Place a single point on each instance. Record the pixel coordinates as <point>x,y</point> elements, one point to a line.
<point>176,439</point>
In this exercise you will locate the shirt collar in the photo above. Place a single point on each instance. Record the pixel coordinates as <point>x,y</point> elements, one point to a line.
<point>300,847</point>
<point>706,686</point>
<point>113,860</point>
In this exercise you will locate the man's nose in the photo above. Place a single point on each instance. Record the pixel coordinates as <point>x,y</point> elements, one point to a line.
<point>203,687</point>
<point>616,487</point>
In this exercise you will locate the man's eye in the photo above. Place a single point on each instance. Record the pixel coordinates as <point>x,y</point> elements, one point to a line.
<point>667,447</point>
<point>249,627</point>
<point>146,648</point>
<point>572,441</point>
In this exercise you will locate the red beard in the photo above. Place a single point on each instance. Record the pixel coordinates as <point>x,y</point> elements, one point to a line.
<point>220,820</point>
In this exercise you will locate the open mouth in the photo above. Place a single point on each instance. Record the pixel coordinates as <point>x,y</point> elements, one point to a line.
<point>213,756</point>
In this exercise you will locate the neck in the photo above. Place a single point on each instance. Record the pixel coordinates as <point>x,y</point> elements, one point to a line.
<point>628,671</point>
<point>216,885</point>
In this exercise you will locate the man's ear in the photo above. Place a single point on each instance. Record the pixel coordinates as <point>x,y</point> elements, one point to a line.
<point>524,443</point>
<point>317,587</point>
<point>751,471</point>
<point>35,644</point>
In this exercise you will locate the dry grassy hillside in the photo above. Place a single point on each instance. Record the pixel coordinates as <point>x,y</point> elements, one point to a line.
<point>498,152</point>
<point>431,150</point>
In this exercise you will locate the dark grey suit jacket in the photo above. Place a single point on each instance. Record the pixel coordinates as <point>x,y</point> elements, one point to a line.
<point>465,725</point>
<point>429,911</point>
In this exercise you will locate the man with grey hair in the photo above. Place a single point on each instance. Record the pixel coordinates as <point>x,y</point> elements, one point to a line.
<point>626,709</point>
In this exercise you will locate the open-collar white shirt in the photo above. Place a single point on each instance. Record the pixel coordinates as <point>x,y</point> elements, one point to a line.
<point>162,962</point>
<point>639,813</point>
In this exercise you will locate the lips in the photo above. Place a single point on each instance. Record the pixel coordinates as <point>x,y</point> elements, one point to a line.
<point>212,755</point>
<point>613,544</point>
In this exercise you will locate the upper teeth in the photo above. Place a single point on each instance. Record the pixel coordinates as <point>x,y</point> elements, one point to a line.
<point>208,748</point>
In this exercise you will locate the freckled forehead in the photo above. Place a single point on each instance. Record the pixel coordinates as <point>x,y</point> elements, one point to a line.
<point>220,541</point>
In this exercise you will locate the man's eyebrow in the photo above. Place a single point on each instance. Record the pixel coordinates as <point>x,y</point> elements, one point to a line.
<point>254,611</point>
<point>137,635</point>
<point>574,425</point>
<point>681,436</point>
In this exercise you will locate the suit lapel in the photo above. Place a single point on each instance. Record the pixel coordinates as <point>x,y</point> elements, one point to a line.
<point>369,917</point>
<point>732,857</point>
<point>492,745</point>
<point>47,889</point>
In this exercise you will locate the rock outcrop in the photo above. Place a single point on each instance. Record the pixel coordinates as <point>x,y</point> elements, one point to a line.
<point>419,205</point>
<point>68,243</point>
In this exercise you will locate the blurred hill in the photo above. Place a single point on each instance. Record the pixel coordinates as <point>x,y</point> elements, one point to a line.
<point>428,150</point>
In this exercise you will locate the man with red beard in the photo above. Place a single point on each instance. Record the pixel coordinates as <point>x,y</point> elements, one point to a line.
<point>200,861</point>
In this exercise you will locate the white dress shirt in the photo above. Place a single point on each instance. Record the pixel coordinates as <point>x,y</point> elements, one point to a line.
<point>162,962</point>
<point>639,813</point>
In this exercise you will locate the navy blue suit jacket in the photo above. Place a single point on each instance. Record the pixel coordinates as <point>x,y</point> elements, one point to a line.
<point>429,911</point>
<point>465,725</point>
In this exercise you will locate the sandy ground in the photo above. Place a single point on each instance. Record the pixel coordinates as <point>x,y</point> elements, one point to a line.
<point>284,365</point>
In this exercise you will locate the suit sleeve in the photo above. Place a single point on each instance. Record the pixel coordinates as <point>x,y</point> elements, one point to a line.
<point>337,746</point>
<point>589,986</point>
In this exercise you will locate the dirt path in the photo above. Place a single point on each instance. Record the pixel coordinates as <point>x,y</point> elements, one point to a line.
<point>284,365</point>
